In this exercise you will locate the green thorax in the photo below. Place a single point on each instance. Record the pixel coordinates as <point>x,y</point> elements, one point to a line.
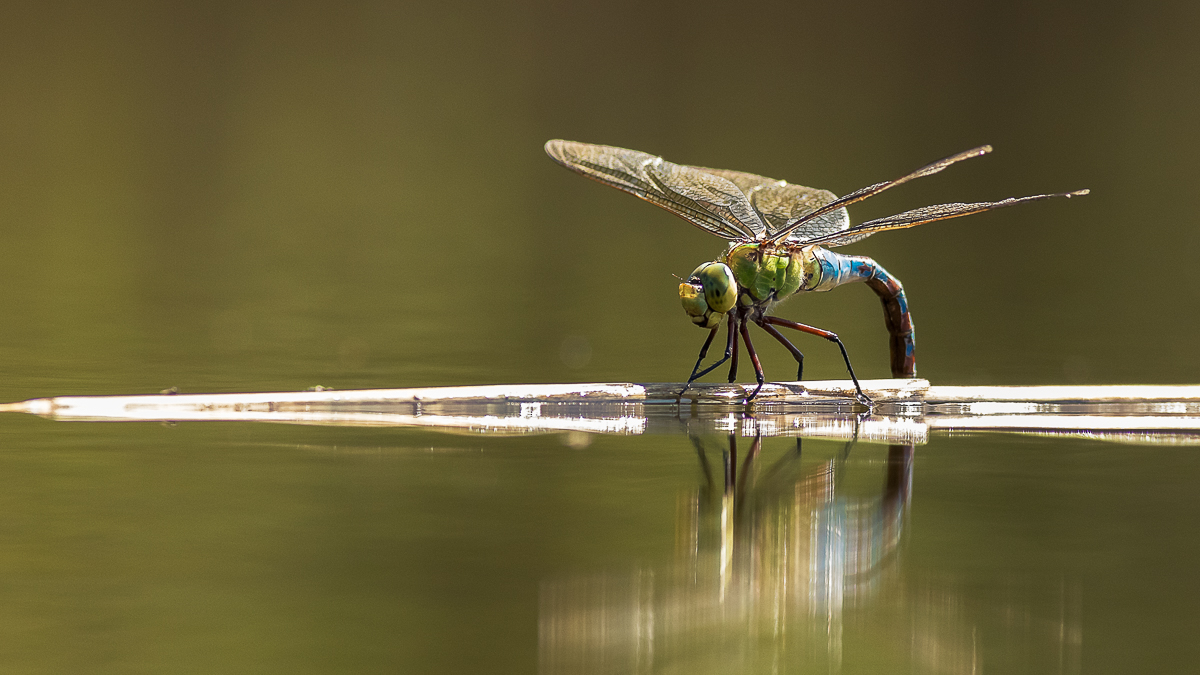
<point>767,273</point>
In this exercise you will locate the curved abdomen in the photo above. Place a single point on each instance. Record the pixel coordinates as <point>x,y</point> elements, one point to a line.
<point>838,269</point>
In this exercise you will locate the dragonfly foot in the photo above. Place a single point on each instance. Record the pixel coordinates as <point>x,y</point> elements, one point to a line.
<point>679,398</point>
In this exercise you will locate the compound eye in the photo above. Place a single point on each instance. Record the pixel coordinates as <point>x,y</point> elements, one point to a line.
<point>720,286</point>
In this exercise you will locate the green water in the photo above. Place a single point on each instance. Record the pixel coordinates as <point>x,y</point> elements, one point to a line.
<point>231,547</point>
<point>232,197</point>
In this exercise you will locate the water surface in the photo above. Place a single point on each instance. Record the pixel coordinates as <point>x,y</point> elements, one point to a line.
<point>137,547</point>
<point>230,197</point>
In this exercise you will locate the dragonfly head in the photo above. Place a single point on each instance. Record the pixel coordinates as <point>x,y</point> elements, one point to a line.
<point>708,294</point>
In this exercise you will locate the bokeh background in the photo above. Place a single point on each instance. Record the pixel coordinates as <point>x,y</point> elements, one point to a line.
<point>255,196</point>
<point>246,196</point>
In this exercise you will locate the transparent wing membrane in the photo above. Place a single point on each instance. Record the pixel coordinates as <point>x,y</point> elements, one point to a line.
<point>780,204</point>
<point>872,190</point>
<point>743,206</point>
<point>926,214</point>
<point>706,200</point>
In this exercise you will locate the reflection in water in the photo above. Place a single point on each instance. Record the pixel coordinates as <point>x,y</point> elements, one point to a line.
<point>775,563</point>
<point>779,563</point>
<point>767,558</point>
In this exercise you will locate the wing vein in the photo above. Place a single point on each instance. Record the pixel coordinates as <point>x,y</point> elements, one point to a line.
<point>872,190</point>
<point>927,214</point>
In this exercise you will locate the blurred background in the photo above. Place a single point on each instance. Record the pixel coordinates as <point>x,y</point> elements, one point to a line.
<point>257,196</point>
<point>243,196</point>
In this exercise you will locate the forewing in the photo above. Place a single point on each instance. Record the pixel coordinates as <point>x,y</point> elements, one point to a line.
<point>780,204</point>
<point>926,214</point>
<point>871,190</point>
<point>705,199</point>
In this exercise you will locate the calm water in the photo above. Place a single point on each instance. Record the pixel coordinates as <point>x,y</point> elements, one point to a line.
<point>211,547</point>
<point>241,198</point>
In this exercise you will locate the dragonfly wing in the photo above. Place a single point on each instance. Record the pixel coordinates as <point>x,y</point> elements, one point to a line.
<point>704,199</point>
<point>796,202</point>
<point>780,204</point>
<point>926,214</point>
<point>748,183</point>
<point>870,190</point>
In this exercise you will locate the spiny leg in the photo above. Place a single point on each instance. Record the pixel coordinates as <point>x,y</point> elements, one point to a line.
<point>734,363</point>
<point>796,353</point>
<point>828,335</point>
<point>730,350</point>
<point>902,341</point>
<point>758,371</point>
<point>704,351</point>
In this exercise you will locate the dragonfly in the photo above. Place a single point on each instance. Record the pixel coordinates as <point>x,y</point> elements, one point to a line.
<point>780,236</point>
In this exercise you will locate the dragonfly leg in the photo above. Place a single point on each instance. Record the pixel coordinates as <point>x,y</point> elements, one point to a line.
<point>730,351</point>
<point>828,335</point>
<point>796,353</point>
<point>758,371</point>
<point>734,363</point>
<point>901,338</point>
<point>704,351</point>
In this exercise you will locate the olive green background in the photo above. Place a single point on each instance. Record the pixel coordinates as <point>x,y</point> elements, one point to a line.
<point>244,196</point>
<point>271,196</point>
